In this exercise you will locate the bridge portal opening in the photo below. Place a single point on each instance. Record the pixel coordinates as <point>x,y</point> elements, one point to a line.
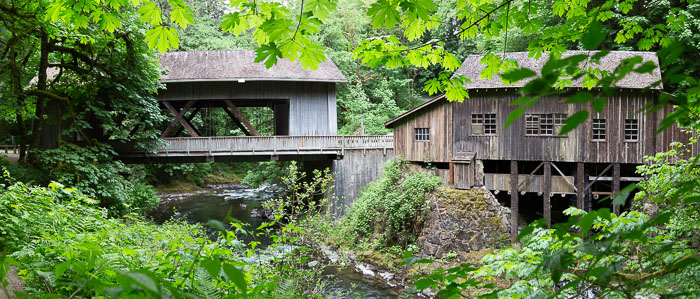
<point>205,118</point>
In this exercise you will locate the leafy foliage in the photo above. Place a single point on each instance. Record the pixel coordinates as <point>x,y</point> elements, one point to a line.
<point>93,171</point>
<point>390,210</point>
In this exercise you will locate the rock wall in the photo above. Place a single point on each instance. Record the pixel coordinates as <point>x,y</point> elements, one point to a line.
<point>462,221</point>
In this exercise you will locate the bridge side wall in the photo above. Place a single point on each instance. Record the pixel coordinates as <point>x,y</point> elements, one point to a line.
<point>356,170</point>
<point>312,105</point>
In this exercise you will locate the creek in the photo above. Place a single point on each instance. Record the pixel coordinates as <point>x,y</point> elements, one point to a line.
<point>241,202</point>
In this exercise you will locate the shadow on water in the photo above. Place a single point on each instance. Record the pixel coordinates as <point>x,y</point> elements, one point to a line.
<point>241,202</point>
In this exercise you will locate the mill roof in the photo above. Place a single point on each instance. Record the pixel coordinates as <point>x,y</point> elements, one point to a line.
<point>472,68</point>
<point>234,65</point>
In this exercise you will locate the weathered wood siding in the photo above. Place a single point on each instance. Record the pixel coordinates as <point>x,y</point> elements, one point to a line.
<point>464,175</point>
<point>578,145</point>
<point>357,169</point>
<point>437,117</point>
<point>312,105</point>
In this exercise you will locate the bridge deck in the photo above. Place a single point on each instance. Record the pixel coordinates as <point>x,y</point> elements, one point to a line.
<point>258,148</point>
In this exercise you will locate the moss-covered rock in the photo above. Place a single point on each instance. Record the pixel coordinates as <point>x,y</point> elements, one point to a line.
<point>463,221</point>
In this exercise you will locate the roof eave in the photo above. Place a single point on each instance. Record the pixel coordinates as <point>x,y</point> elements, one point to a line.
<point>253,79</point>
<point>409,112</point>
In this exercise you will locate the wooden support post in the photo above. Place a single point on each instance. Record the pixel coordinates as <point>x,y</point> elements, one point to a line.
<point>616,186</point>
<point>242,118</point>
<point>452,174</point>
<point>546,204</point>
<point>513,200</point>
<point>179,118</point>
<point>580,174</point>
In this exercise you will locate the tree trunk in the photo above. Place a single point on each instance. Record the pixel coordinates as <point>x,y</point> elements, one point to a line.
<point>41,85</point>
<point>16,83</point>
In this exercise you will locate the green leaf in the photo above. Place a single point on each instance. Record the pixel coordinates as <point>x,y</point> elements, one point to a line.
<point>110,22</point>
<point>580,97</point>
<point>162,38</point>
<point>423,284</point>
<point>513,115</point>
<point>182,16</point>
<point>621,197</point>
<point>320,8</point>
<point>217,225</point>
<point>212,266</point>
<point>236,276</point>
<point>151,14</point>
<point>516,75</point>
<point>60,269</point>
<point>268,53</point>
<point>573,121</point>
<point>594,35</point>
<point>599,104</point>
<point>384,13</point>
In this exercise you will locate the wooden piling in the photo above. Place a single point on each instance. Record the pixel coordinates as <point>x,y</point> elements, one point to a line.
<point>513,200</point>
<point>546,205</point>
<point>616,186</point>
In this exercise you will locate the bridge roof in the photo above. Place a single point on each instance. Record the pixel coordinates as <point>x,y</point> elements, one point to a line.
<point>472,68</point>
<point>237,65</point>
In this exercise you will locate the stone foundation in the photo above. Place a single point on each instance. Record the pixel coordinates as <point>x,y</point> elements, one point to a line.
<point>462,221</point>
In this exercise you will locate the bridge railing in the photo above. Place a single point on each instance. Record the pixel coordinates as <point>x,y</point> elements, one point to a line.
<point>272,144</point>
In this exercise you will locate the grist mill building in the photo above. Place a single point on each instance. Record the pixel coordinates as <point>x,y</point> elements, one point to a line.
<point>528,165</point>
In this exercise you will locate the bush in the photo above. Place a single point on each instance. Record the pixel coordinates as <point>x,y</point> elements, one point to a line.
<point>391,210</point>
<point>93,171</point>
<point>64,247</point>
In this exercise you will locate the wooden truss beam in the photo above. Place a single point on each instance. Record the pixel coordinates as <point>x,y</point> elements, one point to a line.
<point>237,122</point>
<point>189,119</point>
<point>179,118</point>
<point>242,118</point>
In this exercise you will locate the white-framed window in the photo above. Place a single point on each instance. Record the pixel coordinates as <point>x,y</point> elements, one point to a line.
<point>484,124</point>
<point>599,129</point>
<point>631,129</point>
<point>548,124</point>
<point>422,134</point>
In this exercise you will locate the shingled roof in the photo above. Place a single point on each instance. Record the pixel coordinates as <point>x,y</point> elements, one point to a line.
<point>472,67</point>
<point>235,65</point>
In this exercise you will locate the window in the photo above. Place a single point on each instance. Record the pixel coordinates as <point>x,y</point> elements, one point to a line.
<point>484,124</point>
<point>544,124</point>
<point>598,129</point>
<point>631,130</point>
<point>559,122</point>
<point>532,124</point>
<point>422,134</point>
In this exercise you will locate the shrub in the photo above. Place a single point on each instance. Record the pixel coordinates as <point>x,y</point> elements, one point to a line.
<point>391,210</point>
<point>93,171</point>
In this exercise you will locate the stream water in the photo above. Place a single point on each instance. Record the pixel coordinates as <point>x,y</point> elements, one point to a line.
<point>241,202</point>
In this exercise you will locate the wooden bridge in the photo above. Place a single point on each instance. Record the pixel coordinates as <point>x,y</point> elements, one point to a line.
<point>253,148</point>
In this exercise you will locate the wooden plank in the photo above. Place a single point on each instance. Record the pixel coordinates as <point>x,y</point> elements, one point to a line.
<point>580,177</point>
<point>616,186</point>
<point>237,122</point>
<point>547,188</point>
<point>622,178</point>
<point>242,118</point>
<point>179,118</point>
<point>513,200</point>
